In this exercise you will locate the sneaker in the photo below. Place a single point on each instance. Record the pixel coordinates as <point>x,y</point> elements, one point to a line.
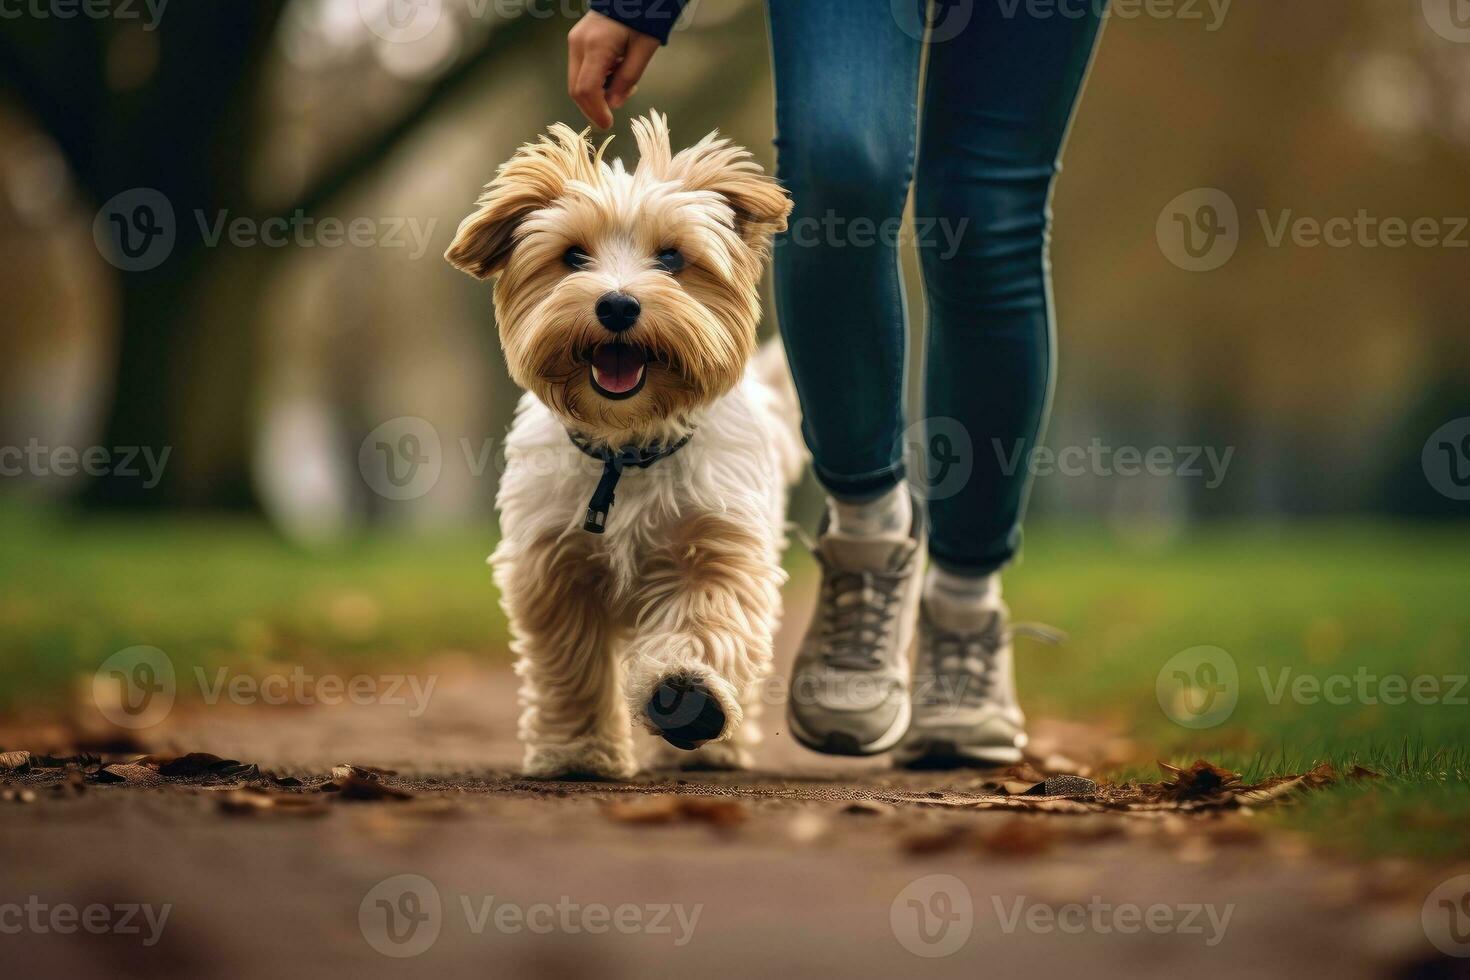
<point>850,683</point>
<point>965,711</point>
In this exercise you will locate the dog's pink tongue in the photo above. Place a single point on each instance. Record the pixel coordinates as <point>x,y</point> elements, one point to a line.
<point>617,367</point>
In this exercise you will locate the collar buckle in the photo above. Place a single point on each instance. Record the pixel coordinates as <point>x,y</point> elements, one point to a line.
<point>613,464</point>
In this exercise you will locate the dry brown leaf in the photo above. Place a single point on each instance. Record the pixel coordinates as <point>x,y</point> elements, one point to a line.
<point>868,808</point>
<point>667,808</point>
<point>357,788</point>
<point>1272,790</point>
<point>1019,837</point>
<point>133,773</point>
<point>1068,786</point>
<point>198,765</point>
<point>1201,780</point>
<point>255,803</point>
<point>17,760</point>
<point>716,810</point>
<point>347,769</point>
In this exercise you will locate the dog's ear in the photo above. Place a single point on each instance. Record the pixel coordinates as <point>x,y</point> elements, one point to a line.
<point>530,180</point>
<point>714,164</point>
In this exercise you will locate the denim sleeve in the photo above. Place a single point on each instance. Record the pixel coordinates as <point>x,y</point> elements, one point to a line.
<point>652,17</point>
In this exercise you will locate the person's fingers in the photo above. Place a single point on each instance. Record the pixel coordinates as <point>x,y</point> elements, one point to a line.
<point>587,90</point>
<point>640,52</point>
<point>574,61</point>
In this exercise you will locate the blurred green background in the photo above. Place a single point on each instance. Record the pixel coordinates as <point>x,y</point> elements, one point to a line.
<point>1329,545</point>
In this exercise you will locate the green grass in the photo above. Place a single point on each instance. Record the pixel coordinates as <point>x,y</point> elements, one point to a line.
<point>216,593</point>
<point>1317,600</point>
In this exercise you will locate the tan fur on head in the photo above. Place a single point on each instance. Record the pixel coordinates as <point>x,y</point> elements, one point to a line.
<point>711,202</point>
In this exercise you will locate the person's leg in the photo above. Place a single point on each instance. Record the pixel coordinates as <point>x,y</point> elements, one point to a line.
<point>847,81</point>
<point>999,97</point>
<point>998,100</point>
<point>846,112</point>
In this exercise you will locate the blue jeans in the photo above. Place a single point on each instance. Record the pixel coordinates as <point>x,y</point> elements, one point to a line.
<point>1002,80</point>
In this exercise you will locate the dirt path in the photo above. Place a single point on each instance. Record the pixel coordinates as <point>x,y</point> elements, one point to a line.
<point>810,867</point>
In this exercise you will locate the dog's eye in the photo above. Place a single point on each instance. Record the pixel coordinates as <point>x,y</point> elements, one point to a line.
<point>576,257</point>
<point>670,260</point>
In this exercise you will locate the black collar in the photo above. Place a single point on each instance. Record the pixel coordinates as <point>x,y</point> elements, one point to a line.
<point>614,461</point>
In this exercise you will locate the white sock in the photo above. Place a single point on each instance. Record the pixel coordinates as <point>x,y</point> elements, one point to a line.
<point>956,598</point>
<point>892,513</point>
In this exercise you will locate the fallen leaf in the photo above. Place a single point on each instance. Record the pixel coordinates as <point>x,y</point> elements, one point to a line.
<point>1019,837</point>
<point>671,808</point>
<point>134,773</point>
<point>1064,785</point>
<point>255,803</point>
<point>84,760</point>
<point>867,808</point>
<point>716,810</point>
<point>196,765</point>
<point>15,761</point>
<point>346,769</point>
<point>360,789</point>
<point>1272,790</point>
<point>1201,780</point>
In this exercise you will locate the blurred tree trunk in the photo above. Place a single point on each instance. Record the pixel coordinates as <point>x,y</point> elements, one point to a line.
<point>166,107</point>
<point>171,108</point>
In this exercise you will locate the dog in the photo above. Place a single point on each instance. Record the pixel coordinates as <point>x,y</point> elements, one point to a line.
<point>627,304</point>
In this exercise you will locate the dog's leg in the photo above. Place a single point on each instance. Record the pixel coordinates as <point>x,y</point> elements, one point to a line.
<point>701,643</point>
<point>575,721</point>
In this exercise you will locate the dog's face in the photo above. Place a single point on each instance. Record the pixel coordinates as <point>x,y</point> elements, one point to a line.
<point>625,300</point>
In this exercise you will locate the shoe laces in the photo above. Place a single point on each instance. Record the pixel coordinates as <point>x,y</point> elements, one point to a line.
<point>858,610</point>
<point>964,661</point>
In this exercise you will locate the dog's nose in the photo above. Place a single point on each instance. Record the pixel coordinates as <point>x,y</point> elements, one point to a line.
<point>617,311</point>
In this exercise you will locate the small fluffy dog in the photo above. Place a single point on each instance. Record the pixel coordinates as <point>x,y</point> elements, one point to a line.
<point>627,306</point>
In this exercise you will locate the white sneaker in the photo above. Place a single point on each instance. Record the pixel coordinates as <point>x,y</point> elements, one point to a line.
<point>850,682</point>
<point>965,711</point>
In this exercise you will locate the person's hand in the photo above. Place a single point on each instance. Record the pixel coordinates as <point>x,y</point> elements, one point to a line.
<point>605,61</point>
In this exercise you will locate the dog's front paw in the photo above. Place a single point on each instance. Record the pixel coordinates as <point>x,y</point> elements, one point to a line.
<point>581,758</point>
<point>686,712</point>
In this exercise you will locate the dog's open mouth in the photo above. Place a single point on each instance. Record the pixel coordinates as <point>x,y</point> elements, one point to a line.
<point>618,370</point>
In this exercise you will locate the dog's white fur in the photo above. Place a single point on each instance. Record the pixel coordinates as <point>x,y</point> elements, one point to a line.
<point>686,580</point>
